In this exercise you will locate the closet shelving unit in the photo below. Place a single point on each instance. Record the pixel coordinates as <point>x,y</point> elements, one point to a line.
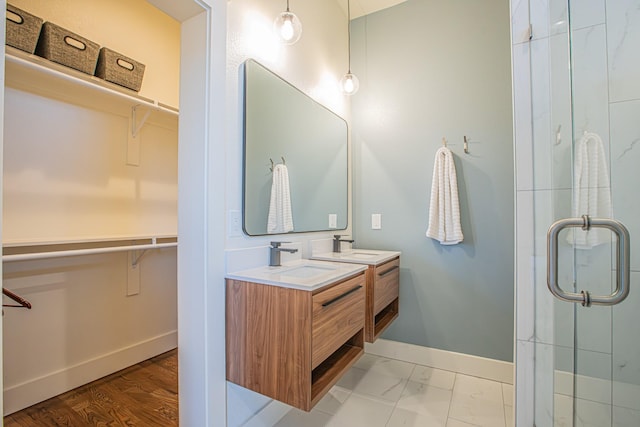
<point>33,74</point>
<point>40,76</point>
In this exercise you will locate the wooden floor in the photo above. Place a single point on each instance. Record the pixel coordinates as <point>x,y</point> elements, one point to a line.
<point>145,394</point>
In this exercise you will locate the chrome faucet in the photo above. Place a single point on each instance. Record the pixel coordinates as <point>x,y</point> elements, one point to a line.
<point>274,253</point>
<point>337,241</point>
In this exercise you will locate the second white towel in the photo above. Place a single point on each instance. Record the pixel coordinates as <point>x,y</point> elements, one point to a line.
<point>444,208</point>
<point>591,190</point>
<point>280,218</point>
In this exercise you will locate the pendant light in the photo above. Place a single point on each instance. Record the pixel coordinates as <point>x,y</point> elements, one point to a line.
<point>349,83</point>
<point>287,27</point>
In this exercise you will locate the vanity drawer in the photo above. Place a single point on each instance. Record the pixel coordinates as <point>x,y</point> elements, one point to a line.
<point>338,314</point>
<point>386,284</point>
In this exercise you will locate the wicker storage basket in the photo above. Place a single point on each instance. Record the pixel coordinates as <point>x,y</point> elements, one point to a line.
<point>119,69</point>
<point>64,47</point>
<point>23,29</point>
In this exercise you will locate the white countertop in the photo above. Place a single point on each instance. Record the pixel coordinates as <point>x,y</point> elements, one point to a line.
<point>304,274</point>
<point>358,256</point>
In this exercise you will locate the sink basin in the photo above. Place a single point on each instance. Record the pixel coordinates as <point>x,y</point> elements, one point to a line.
<point>308,271</point>
<point>358,256</point>
<point>364,254</point>
<point>306,275</point>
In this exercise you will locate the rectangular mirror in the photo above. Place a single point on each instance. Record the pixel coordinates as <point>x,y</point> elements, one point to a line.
<point>282,125</point>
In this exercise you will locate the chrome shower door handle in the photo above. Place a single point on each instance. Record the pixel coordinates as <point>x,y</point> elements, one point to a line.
<point>622,261</point>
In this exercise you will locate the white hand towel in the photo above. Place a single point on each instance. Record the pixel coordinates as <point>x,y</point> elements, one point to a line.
<point>591,190</point>
<point>444,209</point>
<point>280,216</point>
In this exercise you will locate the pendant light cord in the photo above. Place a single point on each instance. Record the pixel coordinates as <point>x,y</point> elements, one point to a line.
<point>287,5</point>
<point>348,31</point>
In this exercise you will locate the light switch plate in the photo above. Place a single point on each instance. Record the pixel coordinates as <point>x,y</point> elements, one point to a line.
<point>376,221</point>
<point>234,224</point>
<point>333,220</point>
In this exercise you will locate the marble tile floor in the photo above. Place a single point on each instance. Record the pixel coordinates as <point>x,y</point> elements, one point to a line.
<point>381,392</point>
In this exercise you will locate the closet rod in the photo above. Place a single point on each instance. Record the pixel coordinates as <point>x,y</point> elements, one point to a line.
<point>92,251</point>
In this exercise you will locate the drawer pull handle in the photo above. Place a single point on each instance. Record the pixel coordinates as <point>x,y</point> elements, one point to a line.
<point>384,273</point>
<point>339,297</point>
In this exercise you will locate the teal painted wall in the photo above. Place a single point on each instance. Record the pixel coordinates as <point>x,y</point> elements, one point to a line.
<point>430,69</point>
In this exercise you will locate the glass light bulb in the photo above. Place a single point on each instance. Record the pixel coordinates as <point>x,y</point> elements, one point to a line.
<point>286,31</point>
<point>349,84</point>
<point>287,27</point>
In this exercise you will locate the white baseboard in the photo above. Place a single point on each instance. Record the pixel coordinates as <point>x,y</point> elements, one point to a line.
<point>482,367</point>
<point>36,390</point>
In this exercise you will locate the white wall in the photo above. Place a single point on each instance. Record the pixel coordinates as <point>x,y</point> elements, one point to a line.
<point>66,178</point>
<point>459,84</point>
<point>315,65</point>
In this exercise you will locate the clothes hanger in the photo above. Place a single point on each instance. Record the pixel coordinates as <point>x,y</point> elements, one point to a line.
<point>23,303</point>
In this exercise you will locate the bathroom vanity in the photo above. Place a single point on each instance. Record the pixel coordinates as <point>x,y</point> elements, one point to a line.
<point>293,331</point>
<point>382,285</point>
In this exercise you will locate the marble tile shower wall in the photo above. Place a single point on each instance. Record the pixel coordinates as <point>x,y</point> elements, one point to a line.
<point>623,44</point>
<point>566,84</point>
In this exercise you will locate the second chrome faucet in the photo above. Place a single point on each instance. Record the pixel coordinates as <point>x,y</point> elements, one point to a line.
<point>337,241</point>
<point>274,253</point>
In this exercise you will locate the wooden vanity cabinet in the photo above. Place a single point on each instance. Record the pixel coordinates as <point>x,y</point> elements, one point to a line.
<point>383,290</point>
<point>293,345</point>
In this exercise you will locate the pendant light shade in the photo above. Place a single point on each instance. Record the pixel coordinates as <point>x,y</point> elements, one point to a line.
<point>349,83</point>
<point>287,27</point>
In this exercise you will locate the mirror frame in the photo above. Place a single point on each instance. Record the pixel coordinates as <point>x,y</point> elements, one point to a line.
<point>244,156</point>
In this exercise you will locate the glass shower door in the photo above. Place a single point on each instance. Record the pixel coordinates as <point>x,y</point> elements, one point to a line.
<point>588,356</point>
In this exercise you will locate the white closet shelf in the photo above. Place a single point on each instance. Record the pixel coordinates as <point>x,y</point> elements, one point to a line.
<point>43,250</point>
<point>16,243</point>
<point>31,73</point>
